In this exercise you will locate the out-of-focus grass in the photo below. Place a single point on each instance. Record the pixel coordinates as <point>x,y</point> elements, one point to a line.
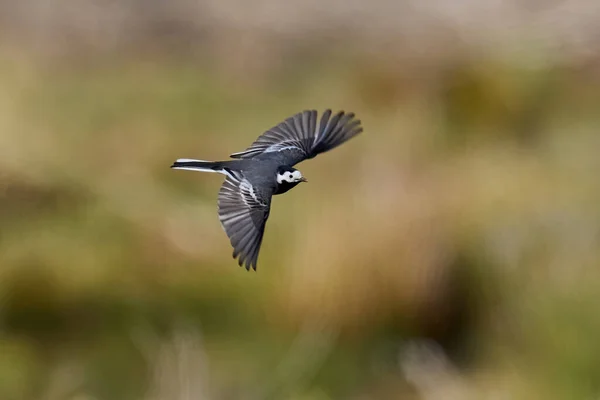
<point>466,212</point>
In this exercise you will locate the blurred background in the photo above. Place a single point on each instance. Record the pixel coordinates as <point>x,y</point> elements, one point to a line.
<point>451,251</point>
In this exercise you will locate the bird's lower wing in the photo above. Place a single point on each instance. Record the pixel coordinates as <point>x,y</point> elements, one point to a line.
<point>243,212</point>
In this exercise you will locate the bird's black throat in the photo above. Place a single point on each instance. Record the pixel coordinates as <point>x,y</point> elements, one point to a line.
<point>284,187</point>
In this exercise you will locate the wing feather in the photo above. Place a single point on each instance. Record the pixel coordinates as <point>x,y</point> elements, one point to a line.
<point>243,212</point>
<point>297,138</point>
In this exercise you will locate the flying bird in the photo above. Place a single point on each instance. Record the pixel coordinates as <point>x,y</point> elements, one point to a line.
<point>265,169</point>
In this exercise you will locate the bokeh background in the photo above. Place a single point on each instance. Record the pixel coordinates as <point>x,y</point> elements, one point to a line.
<point>451,251</point>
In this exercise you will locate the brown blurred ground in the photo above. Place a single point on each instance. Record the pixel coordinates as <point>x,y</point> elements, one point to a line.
<point>449,252</point>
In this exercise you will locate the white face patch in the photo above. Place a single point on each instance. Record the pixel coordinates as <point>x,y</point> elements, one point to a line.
<point>290,177</point>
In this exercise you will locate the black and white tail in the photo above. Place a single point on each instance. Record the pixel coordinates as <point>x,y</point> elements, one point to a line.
<point>201,165</point>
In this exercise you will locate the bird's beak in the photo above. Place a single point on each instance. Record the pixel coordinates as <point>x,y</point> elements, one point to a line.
<point>303,179</point>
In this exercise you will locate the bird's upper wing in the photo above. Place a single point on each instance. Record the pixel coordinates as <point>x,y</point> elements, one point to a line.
<point>301,136</point>
<point>243,212</point>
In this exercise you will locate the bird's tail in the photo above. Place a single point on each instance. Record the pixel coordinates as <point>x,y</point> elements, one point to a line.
<point>201,165</point>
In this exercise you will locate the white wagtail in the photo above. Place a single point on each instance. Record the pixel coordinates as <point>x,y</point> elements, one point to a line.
<point>265,169</point>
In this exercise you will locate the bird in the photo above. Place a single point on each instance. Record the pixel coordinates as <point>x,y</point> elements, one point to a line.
<point>266,169</point>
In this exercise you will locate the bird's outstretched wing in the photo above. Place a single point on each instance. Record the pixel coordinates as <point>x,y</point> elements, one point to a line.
<point>243,212</point>
<point>302,136</point>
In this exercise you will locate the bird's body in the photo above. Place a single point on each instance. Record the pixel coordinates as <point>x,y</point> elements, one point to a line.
<point>265,169</point>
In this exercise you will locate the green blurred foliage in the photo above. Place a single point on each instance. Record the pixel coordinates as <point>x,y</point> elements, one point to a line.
<point>467,212</point>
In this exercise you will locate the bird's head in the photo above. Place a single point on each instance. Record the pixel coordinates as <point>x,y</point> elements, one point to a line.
<point>289,175</point>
